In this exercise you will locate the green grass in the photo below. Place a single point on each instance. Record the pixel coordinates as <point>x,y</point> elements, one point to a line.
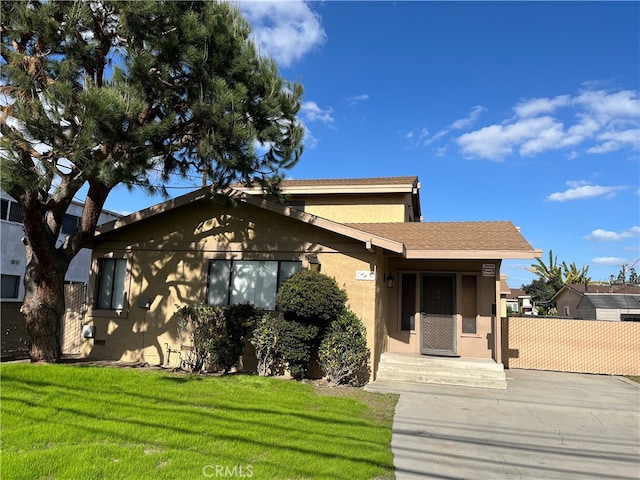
<point>74,422</point>
<point>634,378</point>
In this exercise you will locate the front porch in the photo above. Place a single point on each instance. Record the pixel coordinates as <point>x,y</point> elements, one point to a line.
<point>416,368</point>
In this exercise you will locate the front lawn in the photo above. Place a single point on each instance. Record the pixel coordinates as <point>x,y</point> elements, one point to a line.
<point>81,422</point>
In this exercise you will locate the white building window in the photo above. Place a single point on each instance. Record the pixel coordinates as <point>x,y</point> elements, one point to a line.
<point>10,210</point>
<point>10,285</point>
<point>247,281</point>
<point>111,278</point>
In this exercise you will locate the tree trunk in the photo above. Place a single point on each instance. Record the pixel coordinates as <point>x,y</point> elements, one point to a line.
<point>43,307</point>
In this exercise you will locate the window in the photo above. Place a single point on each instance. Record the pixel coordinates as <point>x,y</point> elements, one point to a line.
<point>111,277</point>
<point>10,285</point>
<point>70,224</point>
<point>408,320</point>
<point>9,210</point>
<point>469,303</point>
<point>250,281</point>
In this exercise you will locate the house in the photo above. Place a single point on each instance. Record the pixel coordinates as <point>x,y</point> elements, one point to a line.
<point>609,306</point>
<point>520,302</point>
<point>570,295</point>
<point>13,264</point>
<point>419,287</point>
<point>504,292</point>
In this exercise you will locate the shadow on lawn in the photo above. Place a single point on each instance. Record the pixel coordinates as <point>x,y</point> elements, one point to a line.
<point>227,420</point>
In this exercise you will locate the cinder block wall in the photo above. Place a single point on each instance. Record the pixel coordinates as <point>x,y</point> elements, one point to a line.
<point>582,346</point>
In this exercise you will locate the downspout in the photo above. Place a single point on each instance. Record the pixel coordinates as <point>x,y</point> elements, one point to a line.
<point>497,319</point>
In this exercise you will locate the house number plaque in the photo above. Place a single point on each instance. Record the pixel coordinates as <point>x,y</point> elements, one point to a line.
<point>365,275</point>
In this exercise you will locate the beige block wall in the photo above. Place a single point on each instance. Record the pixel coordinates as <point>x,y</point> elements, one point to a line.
<point>581,346</point>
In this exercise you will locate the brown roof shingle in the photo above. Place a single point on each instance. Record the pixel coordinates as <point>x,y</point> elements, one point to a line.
<point>450,235</point>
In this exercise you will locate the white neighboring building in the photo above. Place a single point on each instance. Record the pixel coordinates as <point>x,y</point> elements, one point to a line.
<point>12,255</point>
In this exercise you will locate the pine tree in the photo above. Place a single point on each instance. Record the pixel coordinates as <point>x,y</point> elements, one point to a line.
<point>102,93</point>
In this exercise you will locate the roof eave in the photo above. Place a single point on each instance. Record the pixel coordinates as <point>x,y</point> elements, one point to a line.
<point>473,254</point>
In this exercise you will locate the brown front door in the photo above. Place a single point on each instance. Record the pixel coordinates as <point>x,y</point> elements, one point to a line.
<point>437,314</point>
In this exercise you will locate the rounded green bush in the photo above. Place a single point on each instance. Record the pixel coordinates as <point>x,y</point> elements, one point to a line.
<point>343,352</point>
<point>311,297</point>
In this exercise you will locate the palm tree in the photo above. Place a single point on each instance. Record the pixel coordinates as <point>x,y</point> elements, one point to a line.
<point>575,276</point>
<point>551,272</point>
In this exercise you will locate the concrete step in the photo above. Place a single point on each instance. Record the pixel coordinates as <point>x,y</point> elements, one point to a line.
<point>473,372</point>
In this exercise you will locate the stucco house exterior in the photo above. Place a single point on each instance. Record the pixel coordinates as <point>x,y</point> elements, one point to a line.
<point>419,287</point>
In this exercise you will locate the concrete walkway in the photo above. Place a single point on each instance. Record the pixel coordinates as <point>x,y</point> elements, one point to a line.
<point>545,425</point>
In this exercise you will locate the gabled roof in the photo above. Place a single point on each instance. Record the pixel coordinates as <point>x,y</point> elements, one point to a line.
<point>581,289</point>
<point>614,301</point>
<point>455,239</point>
<point>205,194</point>
<point>463,240</point>
<point>517,293</point>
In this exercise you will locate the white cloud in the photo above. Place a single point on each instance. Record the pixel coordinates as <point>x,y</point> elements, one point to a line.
<point>601,235</point>
<point>598,120</point>
<point>309,140</point>
<point>608,261</point>
<point>469,120</point>
<point>311,112</point>
<point>615,140</point>
<point>357,99</point>
<point>497,141</point>
<point>286,30</point>
<point>582,189</point>
<point>536,106</point>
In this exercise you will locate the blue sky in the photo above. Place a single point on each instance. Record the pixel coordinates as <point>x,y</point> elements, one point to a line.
<point>519,111</point>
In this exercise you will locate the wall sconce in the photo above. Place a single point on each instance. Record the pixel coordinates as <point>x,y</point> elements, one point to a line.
<point>314,263</point>
<point>390,281</point>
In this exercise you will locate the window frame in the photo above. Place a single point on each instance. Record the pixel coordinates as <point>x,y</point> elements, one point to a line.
<point>10,211</point>
<point>68,218</point>
<point>96,309</point>
<point>230,272</point>
<point>16,279</point>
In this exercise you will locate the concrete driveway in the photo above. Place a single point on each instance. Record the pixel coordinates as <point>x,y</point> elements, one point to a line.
<point>544,425</point>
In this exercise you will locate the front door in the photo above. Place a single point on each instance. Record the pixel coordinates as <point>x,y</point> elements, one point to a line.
<point>437,314</point>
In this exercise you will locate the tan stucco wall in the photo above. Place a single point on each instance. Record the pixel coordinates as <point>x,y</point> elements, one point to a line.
<point>168,259</point>
<point>480,344</point>
<point>567,345</point>
<point>356,208</point>
<point>568,298</point>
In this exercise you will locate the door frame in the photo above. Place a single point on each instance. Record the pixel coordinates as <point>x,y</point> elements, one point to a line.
<point>445,320</point>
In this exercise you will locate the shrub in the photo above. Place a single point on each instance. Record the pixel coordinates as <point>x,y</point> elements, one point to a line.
<point>239,320</point>
<point>264,340</point>
<point>343,352</point>
<point>217,335</point>
<point>311,297</point>
<point>201,323</point>
<point>294,345</point>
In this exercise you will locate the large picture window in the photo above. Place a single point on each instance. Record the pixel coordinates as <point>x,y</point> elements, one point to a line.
<point>247,281</point>
<point>111,278</point>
